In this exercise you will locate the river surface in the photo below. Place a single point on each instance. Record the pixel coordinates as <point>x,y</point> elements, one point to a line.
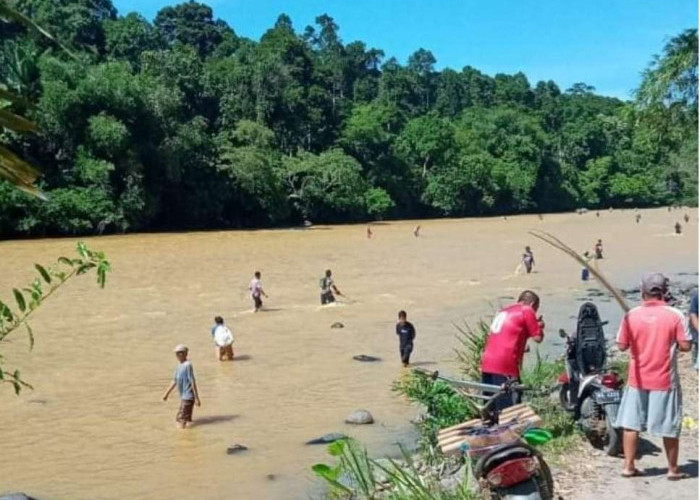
<point>95,427</point>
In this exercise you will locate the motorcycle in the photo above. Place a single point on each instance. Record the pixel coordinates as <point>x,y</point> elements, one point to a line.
<point>513,470</point>
<point>587,389</point>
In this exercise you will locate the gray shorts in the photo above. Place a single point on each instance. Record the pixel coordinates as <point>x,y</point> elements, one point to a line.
<point>658,412</point>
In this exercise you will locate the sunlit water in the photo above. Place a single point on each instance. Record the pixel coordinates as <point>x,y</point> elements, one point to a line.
<point>95,427</point>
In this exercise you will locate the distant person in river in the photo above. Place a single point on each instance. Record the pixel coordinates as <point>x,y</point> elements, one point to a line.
<point>528,260</point>
<point>416,231</point>
<point>223,338</point>
<point>638,217</point>
<point>505,345</point>
<point>186,386</point>
<point>256,291</point>
<point>653,334</point>
<point>328,289</point>
<point>678,228</point>
<point>407,334</point>
<point>686,218</point>
<point>369,232</point>
<point>599,249</point>
<point>693,325</point>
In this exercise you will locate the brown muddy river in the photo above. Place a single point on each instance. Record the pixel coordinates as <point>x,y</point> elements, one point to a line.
<point>95,427</point>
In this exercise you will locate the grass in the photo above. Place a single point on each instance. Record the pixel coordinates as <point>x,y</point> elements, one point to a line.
<point>355,476</point>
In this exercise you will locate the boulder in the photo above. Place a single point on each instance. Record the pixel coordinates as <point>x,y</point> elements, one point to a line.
<point>16,496</point>
<point>328,438</point>
<point>360,417</point>
<point>337,324</point>
<point>365,358</point>
<point>236,448</point>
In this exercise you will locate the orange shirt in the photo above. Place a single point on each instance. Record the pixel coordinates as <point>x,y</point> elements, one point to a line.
<point>652,331</point>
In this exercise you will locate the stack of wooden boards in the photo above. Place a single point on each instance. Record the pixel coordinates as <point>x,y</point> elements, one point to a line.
<point>473,435</point>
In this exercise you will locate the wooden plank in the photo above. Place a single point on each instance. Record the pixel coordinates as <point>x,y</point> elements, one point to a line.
<point>515,412</point>
<point>461,435</point>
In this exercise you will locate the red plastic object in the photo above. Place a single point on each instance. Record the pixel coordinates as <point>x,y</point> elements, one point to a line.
<point>564,378</point>
<point>610,380</point>
<point>512,472</point>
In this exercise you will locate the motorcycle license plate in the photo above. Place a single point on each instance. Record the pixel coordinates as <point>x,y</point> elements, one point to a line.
<point>607,397</point>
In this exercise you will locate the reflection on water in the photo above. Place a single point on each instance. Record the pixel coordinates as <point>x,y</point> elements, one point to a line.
<point>95,427</point>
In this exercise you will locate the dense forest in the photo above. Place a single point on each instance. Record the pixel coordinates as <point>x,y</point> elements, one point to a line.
<point>180,123</point>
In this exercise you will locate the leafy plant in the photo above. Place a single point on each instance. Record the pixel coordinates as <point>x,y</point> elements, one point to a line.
<point>472,342</point>
<point>29,298</point>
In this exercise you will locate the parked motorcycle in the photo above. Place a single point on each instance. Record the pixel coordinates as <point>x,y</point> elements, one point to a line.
<point>587,389</point>
<point>513,469</point>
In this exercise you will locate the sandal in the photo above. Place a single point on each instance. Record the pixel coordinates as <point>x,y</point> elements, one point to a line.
<point>634,473</point>
<point>678,476</point>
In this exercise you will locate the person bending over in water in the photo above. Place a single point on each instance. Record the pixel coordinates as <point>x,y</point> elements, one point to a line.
<point>256,291</point>
<point>505,346</point>
<point>638,217</point>
<point>328,289</point>
<point>416,231</point>
<point>406,333</point>
<point>223,338</point>
<point>186,386</point>
<point>369,232</point>
<point>528,260</point>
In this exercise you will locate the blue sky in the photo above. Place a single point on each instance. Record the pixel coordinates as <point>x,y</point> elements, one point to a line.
<point>605,43</point>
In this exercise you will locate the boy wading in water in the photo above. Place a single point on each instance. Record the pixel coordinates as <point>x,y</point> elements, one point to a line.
<point>256,291</point>
<point>186,387</point>
<point>406,333</point>
<point>528,260</point>
<point>328,289</point>
<point>223,338</point>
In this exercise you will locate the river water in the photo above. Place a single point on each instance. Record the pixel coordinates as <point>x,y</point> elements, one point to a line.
<point>95,428</point>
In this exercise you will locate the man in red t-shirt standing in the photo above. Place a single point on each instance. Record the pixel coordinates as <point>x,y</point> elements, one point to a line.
<point>653,333</point>
<point>505,345</point>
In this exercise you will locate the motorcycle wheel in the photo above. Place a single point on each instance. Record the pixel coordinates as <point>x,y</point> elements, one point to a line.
<point>590,422</point>
<point>564,396</point>
<point>613,446</point>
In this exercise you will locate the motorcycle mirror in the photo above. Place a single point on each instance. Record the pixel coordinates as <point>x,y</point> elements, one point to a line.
<point>562,333</point>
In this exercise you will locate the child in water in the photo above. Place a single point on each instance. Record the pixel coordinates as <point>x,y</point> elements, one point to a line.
<point>528,260</point>
<point>186,386</point>
<point>406,333</point>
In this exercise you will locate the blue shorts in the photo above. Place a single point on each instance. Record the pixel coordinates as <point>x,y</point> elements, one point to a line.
<point>658,412</point>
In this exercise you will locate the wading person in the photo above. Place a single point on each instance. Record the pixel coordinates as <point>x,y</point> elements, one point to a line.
<point>256,291</point>
<point>416,231</point>
<point>505,346</point>
<point>328,289</point>
<point>599,249</point>
<point>369,232</point>
<point>638,217</point>
<point>528,260</point>
<point>678,228</point>
<point>653,333</point>
<point>186,387</point>
<point>406,333</point>
<point>223,338</point>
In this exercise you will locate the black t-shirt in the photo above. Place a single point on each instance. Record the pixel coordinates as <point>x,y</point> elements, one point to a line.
<point>406,332</point>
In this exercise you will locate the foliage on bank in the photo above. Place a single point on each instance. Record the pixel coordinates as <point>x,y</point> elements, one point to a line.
<point>181,123</point>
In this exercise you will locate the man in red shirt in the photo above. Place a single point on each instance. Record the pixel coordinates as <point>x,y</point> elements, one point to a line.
<point>653,333</point>
<point>505,345</point>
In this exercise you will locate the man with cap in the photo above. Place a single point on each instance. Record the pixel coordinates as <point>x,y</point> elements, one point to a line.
<point>653,333</point>
<point>186,386</point>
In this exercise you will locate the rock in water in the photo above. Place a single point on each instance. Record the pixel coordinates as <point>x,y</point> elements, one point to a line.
<point>328,438</point>
<point>16,496</point>
<point>236,448</point>
<point>365,358</point>
<point>337,324</point>
<point>360,417</point>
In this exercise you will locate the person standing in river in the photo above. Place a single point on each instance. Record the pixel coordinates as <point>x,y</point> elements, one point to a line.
<point>599,249</point>
<point>328,289</point>
<point>407,334</point>
<point>186,386</point>
<point>653,333</point>
<point>528,260</point>
<point>256,291</point>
